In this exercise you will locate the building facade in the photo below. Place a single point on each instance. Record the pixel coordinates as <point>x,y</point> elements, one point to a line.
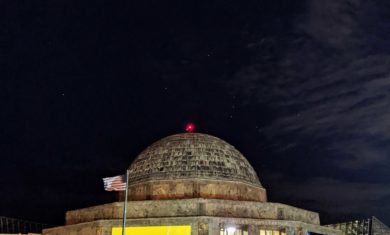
<point>369,226</point>
<point>193,184</point>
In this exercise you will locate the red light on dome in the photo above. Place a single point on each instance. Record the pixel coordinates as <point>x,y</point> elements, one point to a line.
<point>190,127</point>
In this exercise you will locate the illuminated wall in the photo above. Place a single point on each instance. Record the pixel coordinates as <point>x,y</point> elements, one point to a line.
<point>272,232</point>
<point>155,230</point>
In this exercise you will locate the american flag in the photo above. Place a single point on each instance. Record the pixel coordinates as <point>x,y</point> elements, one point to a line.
<point>115,183</point>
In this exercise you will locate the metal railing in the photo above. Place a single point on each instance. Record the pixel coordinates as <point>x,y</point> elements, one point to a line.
<point>15,226</point>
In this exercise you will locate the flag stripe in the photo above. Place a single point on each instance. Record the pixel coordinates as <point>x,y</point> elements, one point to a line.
<point>115,183</point>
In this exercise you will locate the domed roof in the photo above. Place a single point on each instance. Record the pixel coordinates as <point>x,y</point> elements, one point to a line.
<point>192,155</point>
<point>193,165</point>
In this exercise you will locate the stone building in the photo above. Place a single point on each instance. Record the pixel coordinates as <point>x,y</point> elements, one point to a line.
<point>369,226</point>
<point>194,184</point>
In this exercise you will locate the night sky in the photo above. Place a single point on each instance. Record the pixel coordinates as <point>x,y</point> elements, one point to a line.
<point>301,88</point>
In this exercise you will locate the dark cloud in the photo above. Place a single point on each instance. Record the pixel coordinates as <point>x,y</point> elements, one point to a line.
<point>335,23</point>
<point>342,197</point>
<point>331,88</point>
<point>328,85</point>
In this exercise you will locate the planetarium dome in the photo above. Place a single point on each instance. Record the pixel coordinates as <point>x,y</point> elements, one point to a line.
<point>193,165</point>
<point>192,184</point>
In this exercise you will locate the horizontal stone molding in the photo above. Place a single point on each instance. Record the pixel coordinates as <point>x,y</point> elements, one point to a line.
<point>195,188</point>
<point>193,207</point>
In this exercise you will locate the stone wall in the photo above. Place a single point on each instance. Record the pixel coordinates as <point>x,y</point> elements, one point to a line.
<point>195,188</point>
<point>193,207</point>
<point>254,225</point>
<point>201,225</point>
<point>192,155</point>
<point>104,227</point>
<point>92,228</point>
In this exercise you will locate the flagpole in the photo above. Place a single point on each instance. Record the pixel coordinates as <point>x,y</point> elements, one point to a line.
<point>125,204</point>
